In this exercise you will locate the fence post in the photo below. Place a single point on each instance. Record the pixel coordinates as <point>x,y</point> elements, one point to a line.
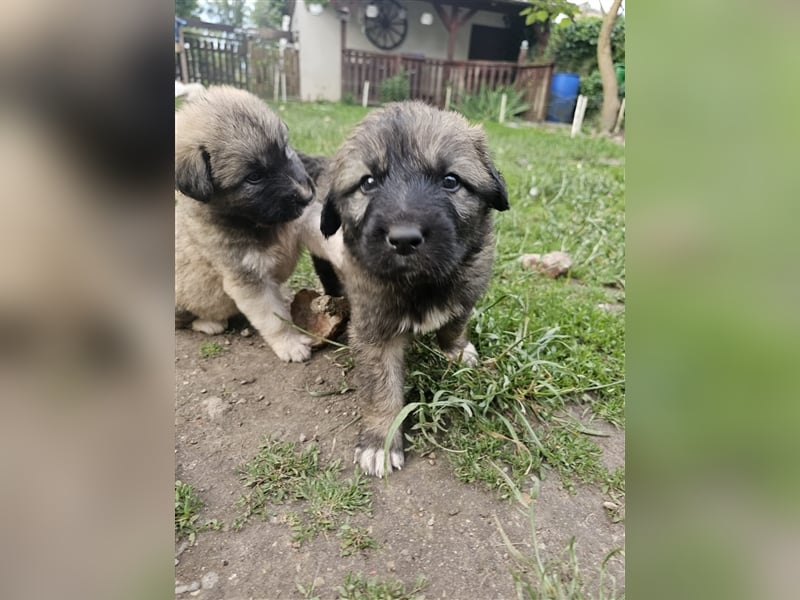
<point>448,93</point>
<point>503,101</point>
<point>577,120</point>
<point>365,94</point>
<point>182,57</point>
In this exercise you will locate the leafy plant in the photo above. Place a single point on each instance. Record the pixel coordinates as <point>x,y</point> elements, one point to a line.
<point>210,350</point>
<point>395,88</point>
<point>187,508</point>
<point>357,587</point>
<point>573,44</point>
<point>485,104</point>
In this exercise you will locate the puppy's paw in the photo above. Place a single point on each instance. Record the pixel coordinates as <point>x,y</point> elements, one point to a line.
<point>372,459</point>
<point>209,327</point>
<point>292,347</point>
<point>466,355</point>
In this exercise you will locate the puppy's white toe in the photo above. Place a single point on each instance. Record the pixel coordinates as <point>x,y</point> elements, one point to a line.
<point>209,327</point>
<point>294,348</point>
<point>372,461</point>
<point>466,355</point>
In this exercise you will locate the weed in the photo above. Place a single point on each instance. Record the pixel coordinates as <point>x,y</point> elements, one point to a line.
<point>278,474</point>
<point>187,507</point>
<point>211,349</point>
<point>484,105</point>
<point>354,540</point>
<point>557,579</point>
<point>395,88</point>
<point>357,587</point>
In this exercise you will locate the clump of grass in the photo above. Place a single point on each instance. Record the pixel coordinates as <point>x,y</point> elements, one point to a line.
<point>279,474</point>
<point>556,579</point>
<point>357,587</point>
<point>484,105</point>
<point>211,349</point>
<point>355,540</point>
<point>187,508</point>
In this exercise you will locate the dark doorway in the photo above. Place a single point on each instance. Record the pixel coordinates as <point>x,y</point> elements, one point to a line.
<point>492,43</point>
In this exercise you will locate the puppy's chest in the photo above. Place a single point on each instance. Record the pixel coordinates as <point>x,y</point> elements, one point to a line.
<point>395,314</point>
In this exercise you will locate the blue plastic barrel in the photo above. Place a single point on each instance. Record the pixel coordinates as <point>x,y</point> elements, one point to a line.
<point>563,96</point>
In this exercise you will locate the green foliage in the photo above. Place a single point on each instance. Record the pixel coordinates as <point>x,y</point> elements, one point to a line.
<point>186,8</point>
<point>278,474</point>
<point>210,350</point>
<point>573,44</point>
<point>355,540</point>
<point>187,508</point>
<point>268,13</point>
<point>395,88</point>
<point>228,12</point>
<point>357,587</point>
<point>485,104</point>
<point>544,11</point>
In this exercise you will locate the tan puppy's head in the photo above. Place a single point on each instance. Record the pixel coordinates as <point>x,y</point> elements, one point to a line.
<point>412,189</point>
<point>232,153</point>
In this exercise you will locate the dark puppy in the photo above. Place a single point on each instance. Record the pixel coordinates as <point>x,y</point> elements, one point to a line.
<point>409,197</point>
<point>239,217</point>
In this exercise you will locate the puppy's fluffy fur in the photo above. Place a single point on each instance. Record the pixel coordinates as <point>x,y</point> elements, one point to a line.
<point>408,210</point>
<point>239,217</point>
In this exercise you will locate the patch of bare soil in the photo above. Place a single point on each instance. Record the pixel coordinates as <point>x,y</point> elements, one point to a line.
<point>426,522</point>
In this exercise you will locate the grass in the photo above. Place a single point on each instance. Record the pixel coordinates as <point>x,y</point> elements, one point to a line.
<point>280,474</point>
<point>357,587</point>
<point>211,349</point>
<point>560,577</point>
<point>187,508</point>
<point>548,345</point>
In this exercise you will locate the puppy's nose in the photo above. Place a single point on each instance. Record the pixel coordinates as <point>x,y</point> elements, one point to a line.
<point>405,239</point>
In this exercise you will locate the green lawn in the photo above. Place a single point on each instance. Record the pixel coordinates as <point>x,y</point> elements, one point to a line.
<point>551,343</point>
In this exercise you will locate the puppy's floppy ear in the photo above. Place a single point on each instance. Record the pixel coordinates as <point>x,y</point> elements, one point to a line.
<point>193,174</point>
<point>330,221</point>
<point>498,195</point>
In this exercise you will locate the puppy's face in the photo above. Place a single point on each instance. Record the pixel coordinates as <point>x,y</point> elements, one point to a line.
<point>412,189</point>
<point>232,153</point>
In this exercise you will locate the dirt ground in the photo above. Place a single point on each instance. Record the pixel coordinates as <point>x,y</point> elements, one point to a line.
<point>426,522</point>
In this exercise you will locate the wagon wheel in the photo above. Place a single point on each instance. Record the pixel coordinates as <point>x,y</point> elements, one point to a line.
<point>388,30</point>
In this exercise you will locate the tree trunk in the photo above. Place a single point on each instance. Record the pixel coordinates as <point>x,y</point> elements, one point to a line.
<point>608,113</point>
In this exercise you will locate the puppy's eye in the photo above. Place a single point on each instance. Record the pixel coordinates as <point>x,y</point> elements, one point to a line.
<point>254,178</point>
<point>368,184</point>
<point>451,182</point>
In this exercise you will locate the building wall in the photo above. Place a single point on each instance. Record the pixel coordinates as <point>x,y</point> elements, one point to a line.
<point>320,43</point>
<point>319,40</point>
<point>427,40</point>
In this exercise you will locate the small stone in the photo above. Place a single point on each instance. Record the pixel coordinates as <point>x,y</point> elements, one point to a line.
<point>246,332</point>
<point>227,342</point>
<point>408,491</point>
<point>318,582</point>
<point>430,522</point>
<point>209,580</point>
<point>432,455</point>
<point>224,562</point>
<point>533,192</point>
<point>390,565</point>
<point>204,391</point>
<point>432,462</point>
<point>261,397</point>
<point>303,437</point>
<point>327,411</point>
<point>215,407</point>
<point>551,264</point>
<point>319,379</point>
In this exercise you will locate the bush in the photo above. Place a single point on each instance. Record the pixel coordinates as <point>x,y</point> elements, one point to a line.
<point>395,88</point>
<point>485,105</point>
<point>573,45</point>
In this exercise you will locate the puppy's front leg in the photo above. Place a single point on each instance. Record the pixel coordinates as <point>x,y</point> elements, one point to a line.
<point>267,310</point>
<point>380,367</point>
<point>452,338</point>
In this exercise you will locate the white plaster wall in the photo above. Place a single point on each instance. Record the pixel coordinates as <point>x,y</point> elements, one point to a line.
<point>427,40</point>
<point>320,53</point>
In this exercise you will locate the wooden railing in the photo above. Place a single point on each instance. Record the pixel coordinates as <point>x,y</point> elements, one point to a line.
<point>430,77</point>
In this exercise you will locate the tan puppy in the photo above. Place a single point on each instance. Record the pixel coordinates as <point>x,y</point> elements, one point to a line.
<point>409,199</point>
<point>239,222</point>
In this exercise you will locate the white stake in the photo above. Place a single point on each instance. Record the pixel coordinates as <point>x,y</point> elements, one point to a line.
<point>283,86</point>
<point>577,120</point>
<point>447,94</point>
<point>365,95</point>
<point>620,116</point>
<point>503,100</point>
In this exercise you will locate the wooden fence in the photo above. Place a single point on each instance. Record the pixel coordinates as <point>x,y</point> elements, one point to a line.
<point>233,58</point>
<point>429,78</point>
